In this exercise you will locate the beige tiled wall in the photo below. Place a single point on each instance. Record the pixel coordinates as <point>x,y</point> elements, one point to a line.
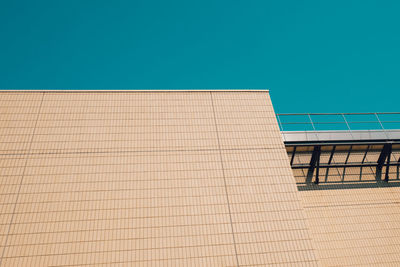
<point>353,223</point>
<point>147,179</point>
<point>355,226</point>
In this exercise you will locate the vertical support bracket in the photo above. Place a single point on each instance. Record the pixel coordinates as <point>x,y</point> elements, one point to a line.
<point>388,164</point>
<point>345,162</point>
<point>363,160</point>
<point>329,162</point>
<point>386,151</point>
<point>317,169</point>
<point>313,163</point>
<point>293,154</point>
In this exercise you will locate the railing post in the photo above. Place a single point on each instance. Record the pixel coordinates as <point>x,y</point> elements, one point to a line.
<point>383,128</point>
<point>312,123</point>
<point>348,125</point>
<point>279,121</point>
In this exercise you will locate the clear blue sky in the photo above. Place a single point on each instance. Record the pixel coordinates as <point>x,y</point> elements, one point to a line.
<point>314,56</point>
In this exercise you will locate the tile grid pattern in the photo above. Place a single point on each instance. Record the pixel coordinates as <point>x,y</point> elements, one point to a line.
<point>267,216</point>
<point>223,173</point>
<point>355,227</point>
<point>8,226</point>
<point>136,178</point>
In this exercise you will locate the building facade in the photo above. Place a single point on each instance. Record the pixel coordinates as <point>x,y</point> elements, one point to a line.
<point>172,178</point>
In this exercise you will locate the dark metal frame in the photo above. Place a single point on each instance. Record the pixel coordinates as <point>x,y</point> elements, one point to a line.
<point>314,165</point>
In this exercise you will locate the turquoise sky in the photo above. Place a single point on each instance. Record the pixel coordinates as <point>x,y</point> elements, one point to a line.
<point>314,56</point>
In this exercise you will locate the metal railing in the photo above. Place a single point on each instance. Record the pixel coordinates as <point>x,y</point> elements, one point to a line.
<point>339,121</point>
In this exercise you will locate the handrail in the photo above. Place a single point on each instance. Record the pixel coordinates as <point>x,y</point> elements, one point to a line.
<point>355,113</point>
<point>313,120</point>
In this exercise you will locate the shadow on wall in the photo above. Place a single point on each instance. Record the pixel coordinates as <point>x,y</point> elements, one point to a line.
<point>350,185</point>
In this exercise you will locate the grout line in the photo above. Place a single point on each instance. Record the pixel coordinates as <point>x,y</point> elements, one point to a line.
<point>223,174</point>
<point>120,250</point>
<point>129,263</point>
<point>64,152</point>
<point>103,239</point>
<point>20,184</point>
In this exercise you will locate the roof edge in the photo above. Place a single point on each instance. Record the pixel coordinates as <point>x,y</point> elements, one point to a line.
<point>134,90</point>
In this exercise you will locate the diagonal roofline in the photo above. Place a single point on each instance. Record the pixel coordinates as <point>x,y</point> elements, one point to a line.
<point>134,90</point>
